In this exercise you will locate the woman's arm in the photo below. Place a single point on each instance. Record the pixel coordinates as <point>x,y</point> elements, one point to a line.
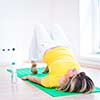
<point>33,79</point>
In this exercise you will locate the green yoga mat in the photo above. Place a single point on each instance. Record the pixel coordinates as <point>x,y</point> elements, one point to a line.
<point>51,91</point>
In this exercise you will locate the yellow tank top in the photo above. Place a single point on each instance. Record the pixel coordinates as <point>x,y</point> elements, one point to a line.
<point>59,61</point>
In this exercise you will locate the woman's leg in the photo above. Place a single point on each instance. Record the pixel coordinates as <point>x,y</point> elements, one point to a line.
<point>58,35</point>
<point>41,41</point>
<point>33,51</point>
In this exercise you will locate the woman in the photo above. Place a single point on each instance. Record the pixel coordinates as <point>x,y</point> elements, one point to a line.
<point>63,69</point>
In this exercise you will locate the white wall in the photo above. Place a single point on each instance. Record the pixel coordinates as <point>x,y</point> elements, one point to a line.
<point>18,17</point>
<point>66,13</point>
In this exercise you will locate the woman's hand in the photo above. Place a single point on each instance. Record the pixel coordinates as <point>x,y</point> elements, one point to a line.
<point>33,79</point>
<point>25,78</point>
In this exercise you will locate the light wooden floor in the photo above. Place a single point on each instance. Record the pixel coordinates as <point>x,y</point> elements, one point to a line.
<point>25,91</point>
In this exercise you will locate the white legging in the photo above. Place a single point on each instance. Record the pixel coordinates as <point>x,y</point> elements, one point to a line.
<point>42,41</point>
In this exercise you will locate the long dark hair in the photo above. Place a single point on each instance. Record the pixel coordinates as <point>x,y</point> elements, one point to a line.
<point>78,83</point>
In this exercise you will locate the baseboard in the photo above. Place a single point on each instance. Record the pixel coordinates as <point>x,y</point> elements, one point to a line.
<point>93,66</point>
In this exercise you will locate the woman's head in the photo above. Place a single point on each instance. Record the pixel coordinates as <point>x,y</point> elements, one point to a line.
<point>78,83</point>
